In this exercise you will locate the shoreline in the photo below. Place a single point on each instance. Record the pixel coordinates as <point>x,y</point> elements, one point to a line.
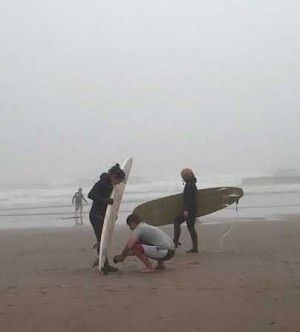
<point>205,220</point>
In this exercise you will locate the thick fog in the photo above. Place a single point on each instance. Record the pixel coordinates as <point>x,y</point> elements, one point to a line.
<point>211,85</point>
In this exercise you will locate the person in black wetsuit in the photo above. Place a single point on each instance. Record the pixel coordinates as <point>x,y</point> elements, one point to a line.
<point>188,213</point>
<point>100,195</point>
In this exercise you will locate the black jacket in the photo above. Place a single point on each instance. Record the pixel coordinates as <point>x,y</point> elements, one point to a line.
<point>100,194</point>
<point>190,197</point>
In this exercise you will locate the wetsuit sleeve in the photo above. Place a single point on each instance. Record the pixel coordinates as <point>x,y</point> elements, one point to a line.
<point>92,193</point>
<point>100,193</point>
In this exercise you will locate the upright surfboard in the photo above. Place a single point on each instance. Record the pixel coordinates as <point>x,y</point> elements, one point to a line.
<point>112,214</point>
<point>163,211</point>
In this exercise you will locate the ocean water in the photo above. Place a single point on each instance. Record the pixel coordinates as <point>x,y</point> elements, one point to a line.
<point>49,205</point>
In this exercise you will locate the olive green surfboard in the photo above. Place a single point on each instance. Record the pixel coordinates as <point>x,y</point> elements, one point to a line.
<point>163,211</point>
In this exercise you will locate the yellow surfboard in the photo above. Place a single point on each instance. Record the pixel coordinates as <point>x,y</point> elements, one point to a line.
<point>163,211</point>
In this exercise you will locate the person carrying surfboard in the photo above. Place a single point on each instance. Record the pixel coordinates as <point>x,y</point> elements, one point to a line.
<point>147,242</point>
<point>100,195</point>
<point>188,213</point>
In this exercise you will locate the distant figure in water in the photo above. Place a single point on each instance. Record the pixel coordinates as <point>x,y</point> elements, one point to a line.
<point>147,242</point>
<point>78,199</point>
<point>188,213</point>
<point>100,195</point>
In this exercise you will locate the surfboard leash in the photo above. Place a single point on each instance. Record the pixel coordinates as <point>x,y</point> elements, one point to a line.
<point>228,233</point>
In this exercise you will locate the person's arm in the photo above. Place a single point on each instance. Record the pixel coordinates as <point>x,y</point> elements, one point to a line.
<point>100,193</point>
<point>103,194</point>
<point>127,251</point>
<point>91,195</point>
<point>82,197</point>
<point>73,198</point>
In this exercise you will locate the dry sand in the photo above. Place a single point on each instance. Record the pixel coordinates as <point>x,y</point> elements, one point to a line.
<point>252,284</point>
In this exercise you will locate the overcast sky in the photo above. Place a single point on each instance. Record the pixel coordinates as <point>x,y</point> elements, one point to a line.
<point>209,84</point>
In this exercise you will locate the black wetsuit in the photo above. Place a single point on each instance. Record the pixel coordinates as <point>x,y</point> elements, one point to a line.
<point>189,205</point>
<point>100,195</point>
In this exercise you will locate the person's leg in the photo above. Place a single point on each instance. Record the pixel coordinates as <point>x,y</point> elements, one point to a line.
<point>191,227</point>
<point>76,213</point>
<point>158,254</point>
<point>80,214</point>
<point>138,251</point>
<point>177,230</point>
<point>98,231</point>
<point>160,265</point>
<point>97,227</point>
<point>107,266</point>
<point>166,255</point>
<point>97,223</point>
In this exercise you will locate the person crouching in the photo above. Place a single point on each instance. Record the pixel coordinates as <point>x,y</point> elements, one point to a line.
<point>147,242</point>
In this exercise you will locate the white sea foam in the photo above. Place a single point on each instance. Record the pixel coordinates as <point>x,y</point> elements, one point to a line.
<point>35,205</point>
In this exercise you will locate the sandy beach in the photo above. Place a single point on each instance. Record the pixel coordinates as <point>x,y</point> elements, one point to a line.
<point>252,284</point>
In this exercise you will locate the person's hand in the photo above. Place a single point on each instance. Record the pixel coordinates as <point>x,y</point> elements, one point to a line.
<point>185,215</point>
<point>110,201</point>
<point>96,245</point>
<point>118,258</point>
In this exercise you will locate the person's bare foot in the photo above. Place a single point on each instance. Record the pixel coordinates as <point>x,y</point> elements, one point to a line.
<point>95,245</point>
<point>149,269</point>
<point>160,266</point>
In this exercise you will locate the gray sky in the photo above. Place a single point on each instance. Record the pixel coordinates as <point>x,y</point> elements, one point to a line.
<point>212,85</point>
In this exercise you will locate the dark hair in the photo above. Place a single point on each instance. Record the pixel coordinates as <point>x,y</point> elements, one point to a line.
<point>117,171</point>
<point>133,218</point>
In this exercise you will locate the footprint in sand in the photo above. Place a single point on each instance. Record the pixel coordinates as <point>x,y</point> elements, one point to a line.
<point>114,291</point>
<point>31,312</point>
<point>207,288</point>
<point>41,289</point>
<point>11,290</point>
<point>296,287</point>
<point>193,263</point>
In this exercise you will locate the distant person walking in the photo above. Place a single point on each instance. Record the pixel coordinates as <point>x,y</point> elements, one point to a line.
<point>100,195</point>
<point>147,242</point>
<point>188,213</point>
<point>78,199</point>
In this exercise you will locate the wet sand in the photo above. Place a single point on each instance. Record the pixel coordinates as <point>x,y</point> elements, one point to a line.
<point>252,284</point>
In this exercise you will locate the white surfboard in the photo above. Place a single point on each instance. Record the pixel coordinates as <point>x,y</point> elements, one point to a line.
<point>112,214</point>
